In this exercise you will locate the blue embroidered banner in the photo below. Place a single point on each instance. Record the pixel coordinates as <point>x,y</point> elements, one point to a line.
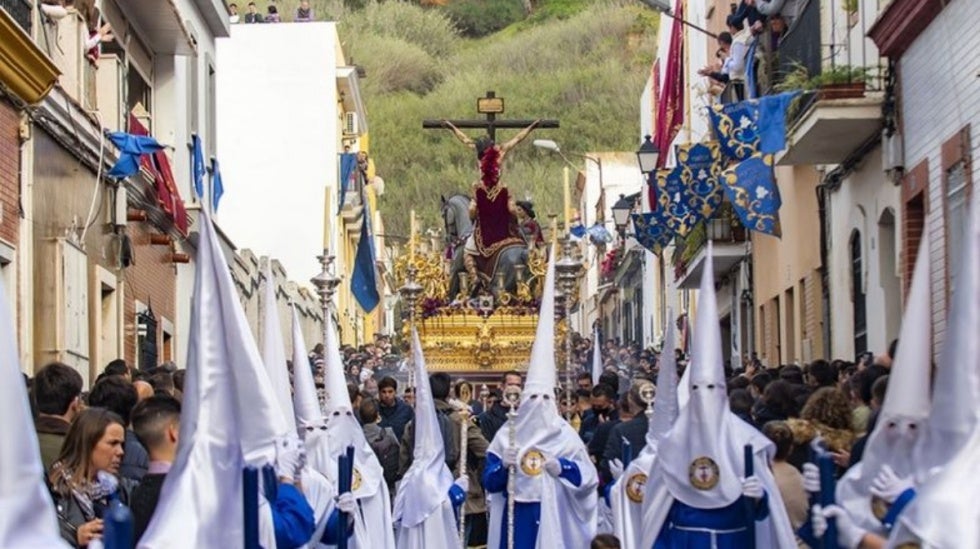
<point>700,165</point>
<point>736,128</point>
<point>752,190</point>
<point>651,230</point>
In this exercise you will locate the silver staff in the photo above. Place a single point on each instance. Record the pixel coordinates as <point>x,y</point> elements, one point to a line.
<point>512,397</point>
<point>464,414</point>
<point>648,393</point>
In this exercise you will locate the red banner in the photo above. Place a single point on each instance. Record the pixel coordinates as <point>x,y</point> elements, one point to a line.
<point>168,197</point>
<point>670,109</point>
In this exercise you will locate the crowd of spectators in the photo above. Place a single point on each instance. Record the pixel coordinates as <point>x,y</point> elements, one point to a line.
<point>303,14</point>
<point>747,50</point>
<point>118,440</point>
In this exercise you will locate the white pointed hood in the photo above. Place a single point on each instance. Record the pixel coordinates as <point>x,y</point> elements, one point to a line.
<point>665,407</point>
<point>274,350</point>
<point>903,415</point>
<point>538,425</point>
<point>425,486</point>
<point>309,418</point>
<point>27,516</point>
<point>568,514</point>
<point>343,429</point>
<point>194,509</point>
<point>628,494</point>
<point>596,357</point>
<point>702,456</point>
<point>541,376</point>
<point>955,409</point>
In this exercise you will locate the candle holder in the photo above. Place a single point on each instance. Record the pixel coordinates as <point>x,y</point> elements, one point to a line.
<point>326,286</point>
<point>568,270</point>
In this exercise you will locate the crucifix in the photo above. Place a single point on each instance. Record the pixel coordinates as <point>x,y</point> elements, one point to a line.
<point>490,106</point>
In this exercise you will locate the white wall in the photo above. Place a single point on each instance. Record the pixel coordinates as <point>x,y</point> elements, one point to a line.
<point>277,118</point>
<point>940,96</point>
<point>859,205</point>
<point>173,124</point>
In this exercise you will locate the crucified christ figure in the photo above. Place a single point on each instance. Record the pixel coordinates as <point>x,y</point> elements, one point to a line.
<point>492,209</point>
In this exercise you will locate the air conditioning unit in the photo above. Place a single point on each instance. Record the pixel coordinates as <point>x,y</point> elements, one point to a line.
<point>350,123</point>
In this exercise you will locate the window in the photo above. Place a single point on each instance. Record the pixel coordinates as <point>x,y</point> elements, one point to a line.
<point>956,175</point>
<point>956,215</point>
<point>857,296</point>
<point>146,339</point>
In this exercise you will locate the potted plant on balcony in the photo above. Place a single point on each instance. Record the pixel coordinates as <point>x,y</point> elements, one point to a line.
<point>841,82</point>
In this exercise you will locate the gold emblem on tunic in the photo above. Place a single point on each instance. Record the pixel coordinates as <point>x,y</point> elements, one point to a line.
<point>703,473</point>
<point>356,480</point>
<point>635,486</point>
<point>532,463</point>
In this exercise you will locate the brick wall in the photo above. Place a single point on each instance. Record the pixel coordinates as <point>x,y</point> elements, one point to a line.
<point>152,281</point>
<point>939,97</point>
<point>9,170</point>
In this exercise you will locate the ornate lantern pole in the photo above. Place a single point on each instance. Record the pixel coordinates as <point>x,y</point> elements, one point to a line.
<point>411,291</point>
<point>568,270</point>
<point>326,286</point>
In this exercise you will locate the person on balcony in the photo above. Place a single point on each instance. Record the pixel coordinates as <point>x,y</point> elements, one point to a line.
<point>734,46</point>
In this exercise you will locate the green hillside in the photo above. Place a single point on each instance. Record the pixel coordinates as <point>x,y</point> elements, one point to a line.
<point>584,63</point>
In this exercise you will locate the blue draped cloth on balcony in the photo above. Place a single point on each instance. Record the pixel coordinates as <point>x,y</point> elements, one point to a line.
<point>131,149</point>
<point>751,187</point>
<point>348,171</point>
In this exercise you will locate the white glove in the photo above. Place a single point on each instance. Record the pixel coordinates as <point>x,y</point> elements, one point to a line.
<point>553,466</point>
<point>346,503</point>
<point>290,457</point>
<point>752,487</point>
<point>510,456</point>
<point>463,482</point>
<point>848,533</point>
<point>888,486</point>
<point>811,478</point>
<point>616,468</point>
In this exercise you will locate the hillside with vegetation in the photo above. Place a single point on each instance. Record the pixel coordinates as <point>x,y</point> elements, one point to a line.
<point>582,62</point>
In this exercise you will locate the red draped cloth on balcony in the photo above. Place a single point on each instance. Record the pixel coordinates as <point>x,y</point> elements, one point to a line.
<point>168,197</point>
<point>670,99</point>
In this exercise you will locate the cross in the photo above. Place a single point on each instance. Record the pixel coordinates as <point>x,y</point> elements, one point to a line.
<point>490,106</point>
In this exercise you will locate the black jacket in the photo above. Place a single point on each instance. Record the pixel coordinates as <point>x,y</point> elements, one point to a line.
<point>144,500</point>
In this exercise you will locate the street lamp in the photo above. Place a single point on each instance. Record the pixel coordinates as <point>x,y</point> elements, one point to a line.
<point>549,145</point>
<point>621,213</point>
<point>647,155</point>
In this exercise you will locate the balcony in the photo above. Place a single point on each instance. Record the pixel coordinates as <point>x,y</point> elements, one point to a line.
<point>842,105</point>
<point>728,238</point>
<point>160,24</point>
<point>24,68</point>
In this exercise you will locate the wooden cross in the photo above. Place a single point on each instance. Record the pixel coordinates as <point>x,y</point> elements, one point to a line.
<point>490,106</point>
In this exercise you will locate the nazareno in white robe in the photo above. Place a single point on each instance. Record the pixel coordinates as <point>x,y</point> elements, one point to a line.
<point>568,513</point>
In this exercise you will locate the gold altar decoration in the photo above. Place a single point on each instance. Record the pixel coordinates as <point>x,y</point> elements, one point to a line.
<point>472,335</point>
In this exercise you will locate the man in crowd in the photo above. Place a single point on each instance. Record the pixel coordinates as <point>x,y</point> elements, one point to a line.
<point>57,392</point>
<point>156,422</point>
<point>394,412</point>
<point>603,410</point>
<point>495,416</point>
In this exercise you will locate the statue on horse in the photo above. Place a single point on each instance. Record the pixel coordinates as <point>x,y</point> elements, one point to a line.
<point>494,230</point>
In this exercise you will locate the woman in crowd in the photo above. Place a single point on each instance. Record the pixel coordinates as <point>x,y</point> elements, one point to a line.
<point>827,414</point>
<point>84,477</point>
